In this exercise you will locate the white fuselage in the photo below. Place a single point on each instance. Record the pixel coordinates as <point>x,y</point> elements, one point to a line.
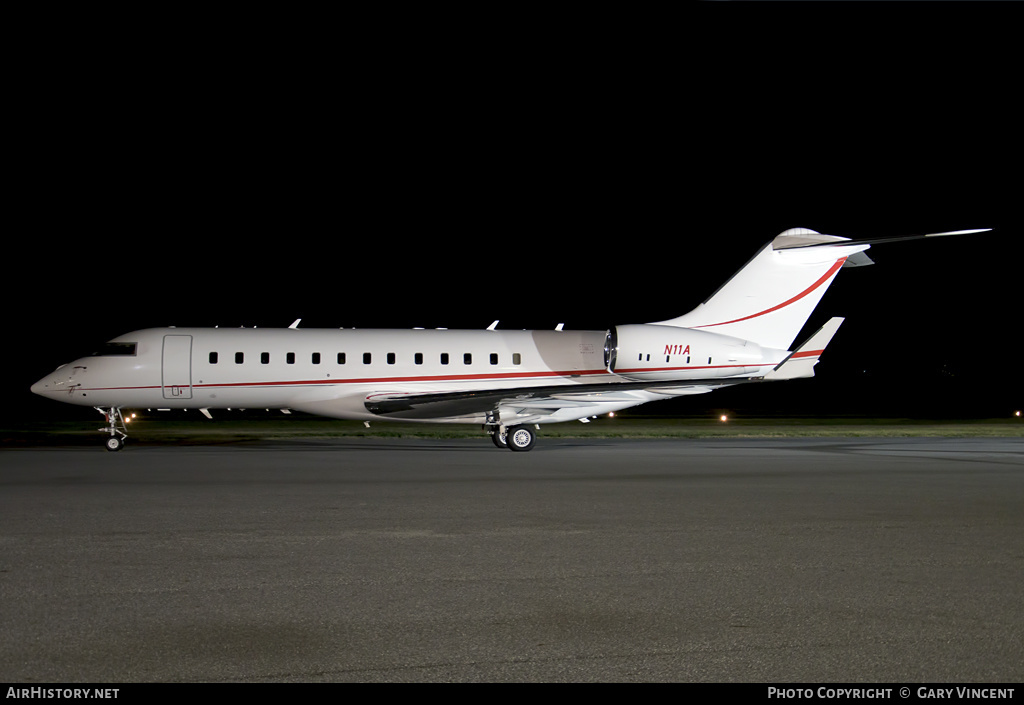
<point>336,372</point>
<point>505,380</point>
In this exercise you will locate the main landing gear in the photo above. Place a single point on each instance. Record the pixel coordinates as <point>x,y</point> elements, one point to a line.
<point>515,438</point>
<point>116,428</point>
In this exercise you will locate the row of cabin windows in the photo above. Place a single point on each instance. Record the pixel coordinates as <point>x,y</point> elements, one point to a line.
<point>640,358</point>
<point>316,358</point>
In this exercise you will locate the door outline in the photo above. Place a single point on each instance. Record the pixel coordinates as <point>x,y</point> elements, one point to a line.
<point>176,367</point>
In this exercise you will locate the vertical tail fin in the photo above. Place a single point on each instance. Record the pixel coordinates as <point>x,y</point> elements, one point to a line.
<point>770,299</point>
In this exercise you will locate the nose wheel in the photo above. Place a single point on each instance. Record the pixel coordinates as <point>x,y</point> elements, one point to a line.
<point>115,428</point>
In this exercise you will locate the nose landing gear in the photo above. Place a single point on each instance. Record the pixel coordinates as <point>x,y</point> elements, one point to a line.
<point>116,428</point>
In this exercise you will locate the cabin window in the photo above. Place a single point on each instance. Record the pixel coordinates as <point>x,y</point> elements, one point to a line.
<point>666,358</point>
<point>418,358</point>
<point>367,358</point>
<point>239,358</point>
<point>444,358</point>
<point>640,357</point>
<point>494,358</point>
<point>517,359</point>
<point>341,358</point>
<point>648,357</point>
<point>265,358</point>
<point>315,358</point>
<point>467,358</point>
<point>391,358</point>
<point>290,358</point>
<point>709,360</point>
<point>213,358</point>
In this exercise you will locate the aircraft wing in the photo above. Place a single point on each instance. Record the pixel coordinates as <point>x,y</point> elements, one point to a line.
<point>566,402</point>
<point>801,362</point>
<point>535,401</point>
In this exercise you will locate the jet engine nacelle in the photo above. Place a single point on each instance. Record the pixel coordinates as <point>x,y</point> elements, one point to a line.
<point>653,352</point>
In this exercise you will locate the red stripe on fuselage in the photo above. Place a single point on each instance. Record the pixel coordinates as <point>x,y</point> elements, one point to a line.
<point>437,378</point>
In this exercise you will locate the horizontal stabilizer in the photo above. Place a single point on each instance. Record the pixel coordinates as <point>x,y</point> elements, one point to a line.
<point>801,361</point>
<point>802,237</point>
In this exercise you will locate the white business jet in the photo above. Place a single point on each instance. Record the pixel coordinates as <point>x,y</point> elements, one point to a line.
<point>508,381</point>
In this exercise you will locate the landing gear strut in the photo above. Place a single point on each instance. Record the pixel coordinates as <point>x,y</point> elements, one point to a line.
<point>116,429</point>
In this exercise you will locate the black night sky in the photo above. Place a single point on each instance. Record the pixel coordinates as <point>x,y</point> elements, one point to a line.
<point>582,182</point>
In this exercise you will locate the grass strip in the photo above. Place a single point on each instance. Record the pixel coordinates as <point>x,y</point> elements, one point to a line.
<point>176,429</point>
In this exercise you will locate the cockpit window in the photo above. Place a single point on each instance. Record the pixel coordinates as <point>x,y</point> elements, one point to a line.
<point>116,349</point>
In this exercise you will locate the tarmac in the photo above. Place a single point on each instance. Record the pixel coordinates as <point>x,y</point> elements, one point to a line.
<point>370,560</point>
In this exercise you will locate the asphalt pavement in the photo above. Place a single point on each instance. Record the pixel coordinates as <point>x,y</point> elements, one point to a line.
<point>774,560</point>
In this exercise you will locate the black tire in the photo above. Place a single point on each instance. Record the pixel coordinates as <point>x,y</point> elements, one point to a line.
<point>114,444</point>
<point>521,438</point>
<point>499,440</point>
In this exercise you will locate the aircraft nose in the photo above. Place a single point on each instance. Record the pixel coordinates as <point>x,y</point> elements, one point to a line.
<point>53,382</point>
<point>41,386</point>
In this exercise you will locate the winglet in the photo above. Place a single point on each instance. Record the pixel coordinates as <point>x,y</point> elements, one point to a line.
<point>801,361</point>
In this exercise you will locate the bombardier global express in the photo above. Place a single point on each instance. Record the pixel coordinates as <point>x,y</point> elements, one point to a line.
<point>509,382</point>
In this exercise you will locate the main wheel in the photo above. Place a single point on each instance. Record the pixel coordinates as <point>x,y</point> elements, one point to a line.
<point>521,438</point>
<point>500,439</point>
<point>114,444</point>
